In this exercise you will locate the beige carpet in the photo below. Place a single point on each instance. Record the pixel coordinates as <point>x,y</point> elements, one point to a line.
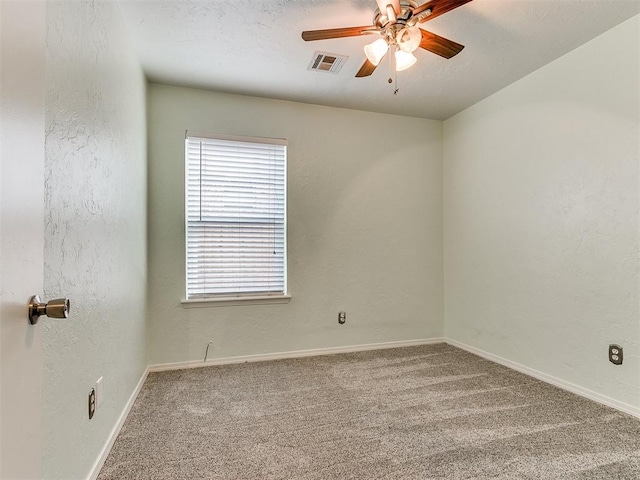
<point>428,412</point>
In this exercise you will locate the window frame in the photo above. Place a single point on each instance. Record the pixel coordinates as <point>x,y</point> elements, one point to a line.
<point>234,298</point>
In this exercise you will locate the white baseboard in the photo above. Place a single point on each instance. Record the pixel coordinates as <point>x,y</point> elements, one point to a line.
<point>97,466</point>
<point>293,354</point>
<point>583,392</point>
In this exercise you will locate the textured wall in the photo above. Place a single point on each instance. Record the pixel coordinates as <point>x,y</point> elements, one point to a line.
<point>364,220</point>
<point>541,218</point>
<point>95,239</point>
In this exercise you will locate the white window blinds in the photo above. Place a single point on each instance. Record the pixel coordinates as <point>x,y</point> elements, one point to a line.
<point>236,216</point>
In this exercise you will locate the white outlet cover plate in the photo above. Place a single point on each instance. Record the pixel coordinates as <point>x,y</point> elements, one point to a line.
<point>99,392</point>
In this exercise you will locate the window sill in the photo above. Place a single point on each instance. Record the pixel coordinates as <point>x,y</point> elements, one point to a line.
<point>235,301</point>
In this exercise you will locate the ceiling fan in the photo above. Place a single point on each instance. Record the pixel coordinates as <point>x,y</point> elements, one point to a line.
<point>396,22</point>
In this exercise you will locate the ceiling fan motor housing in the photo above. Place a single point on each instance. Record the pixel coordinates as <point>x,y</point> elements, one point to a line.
<point>390,27</point>
<point>381,19</point>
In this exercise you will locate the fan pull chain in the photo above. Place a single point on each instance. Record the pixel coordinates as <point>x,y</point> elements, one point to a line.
<point>392,66</point>
<point>397,89</point>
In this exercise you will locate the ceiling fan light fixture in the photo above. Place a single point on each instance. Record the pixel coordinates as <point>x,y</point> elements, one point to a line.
<point>376,50</point>
<point>408,39</point>
<point>404,60</point>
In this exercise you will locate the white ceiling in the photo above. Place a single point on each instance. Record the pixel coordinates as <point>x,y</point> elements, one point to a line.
<point>255,48</point>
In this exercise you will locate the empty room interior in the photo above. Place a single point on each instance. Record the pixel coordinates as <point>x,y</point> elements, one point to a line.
<point>317,239</point>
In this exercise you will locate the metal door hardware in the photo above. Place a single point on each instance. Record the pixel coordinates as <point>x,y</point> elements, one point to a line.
<point>58,308</point>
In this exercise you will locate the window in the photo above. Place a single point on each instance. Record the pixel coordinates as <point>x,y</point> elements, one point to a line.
<point>235,217</point>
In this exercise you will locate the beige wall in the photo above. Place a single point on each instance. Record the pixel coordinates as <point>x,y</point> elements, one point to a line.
<point>541,199</point>
<point>95,230</point>
<point>365,228</point>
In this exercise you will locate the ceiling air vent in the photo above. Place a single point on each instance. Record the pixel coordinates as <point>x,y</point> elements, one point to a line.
<point>327,62</point>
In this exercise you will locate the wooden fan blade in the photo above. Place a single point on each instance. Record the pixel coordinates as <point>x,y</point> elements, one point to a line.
<point>311,35</point>
<point>439,45</point>
<point>382,5</point>
<point>438,7</point>
<point>366,69</point>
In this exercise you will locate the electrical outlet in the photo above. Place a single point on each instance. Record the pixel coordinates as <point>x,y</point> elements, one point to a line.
<point>92,403</point>
<point>342,317</point>
<point>615,354</point>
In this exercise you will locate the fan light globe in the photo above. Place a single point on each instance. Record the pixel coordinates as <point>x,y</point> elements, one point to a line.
<point>404,60</point>
<point>376,50</point>
<point>409,39</point>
